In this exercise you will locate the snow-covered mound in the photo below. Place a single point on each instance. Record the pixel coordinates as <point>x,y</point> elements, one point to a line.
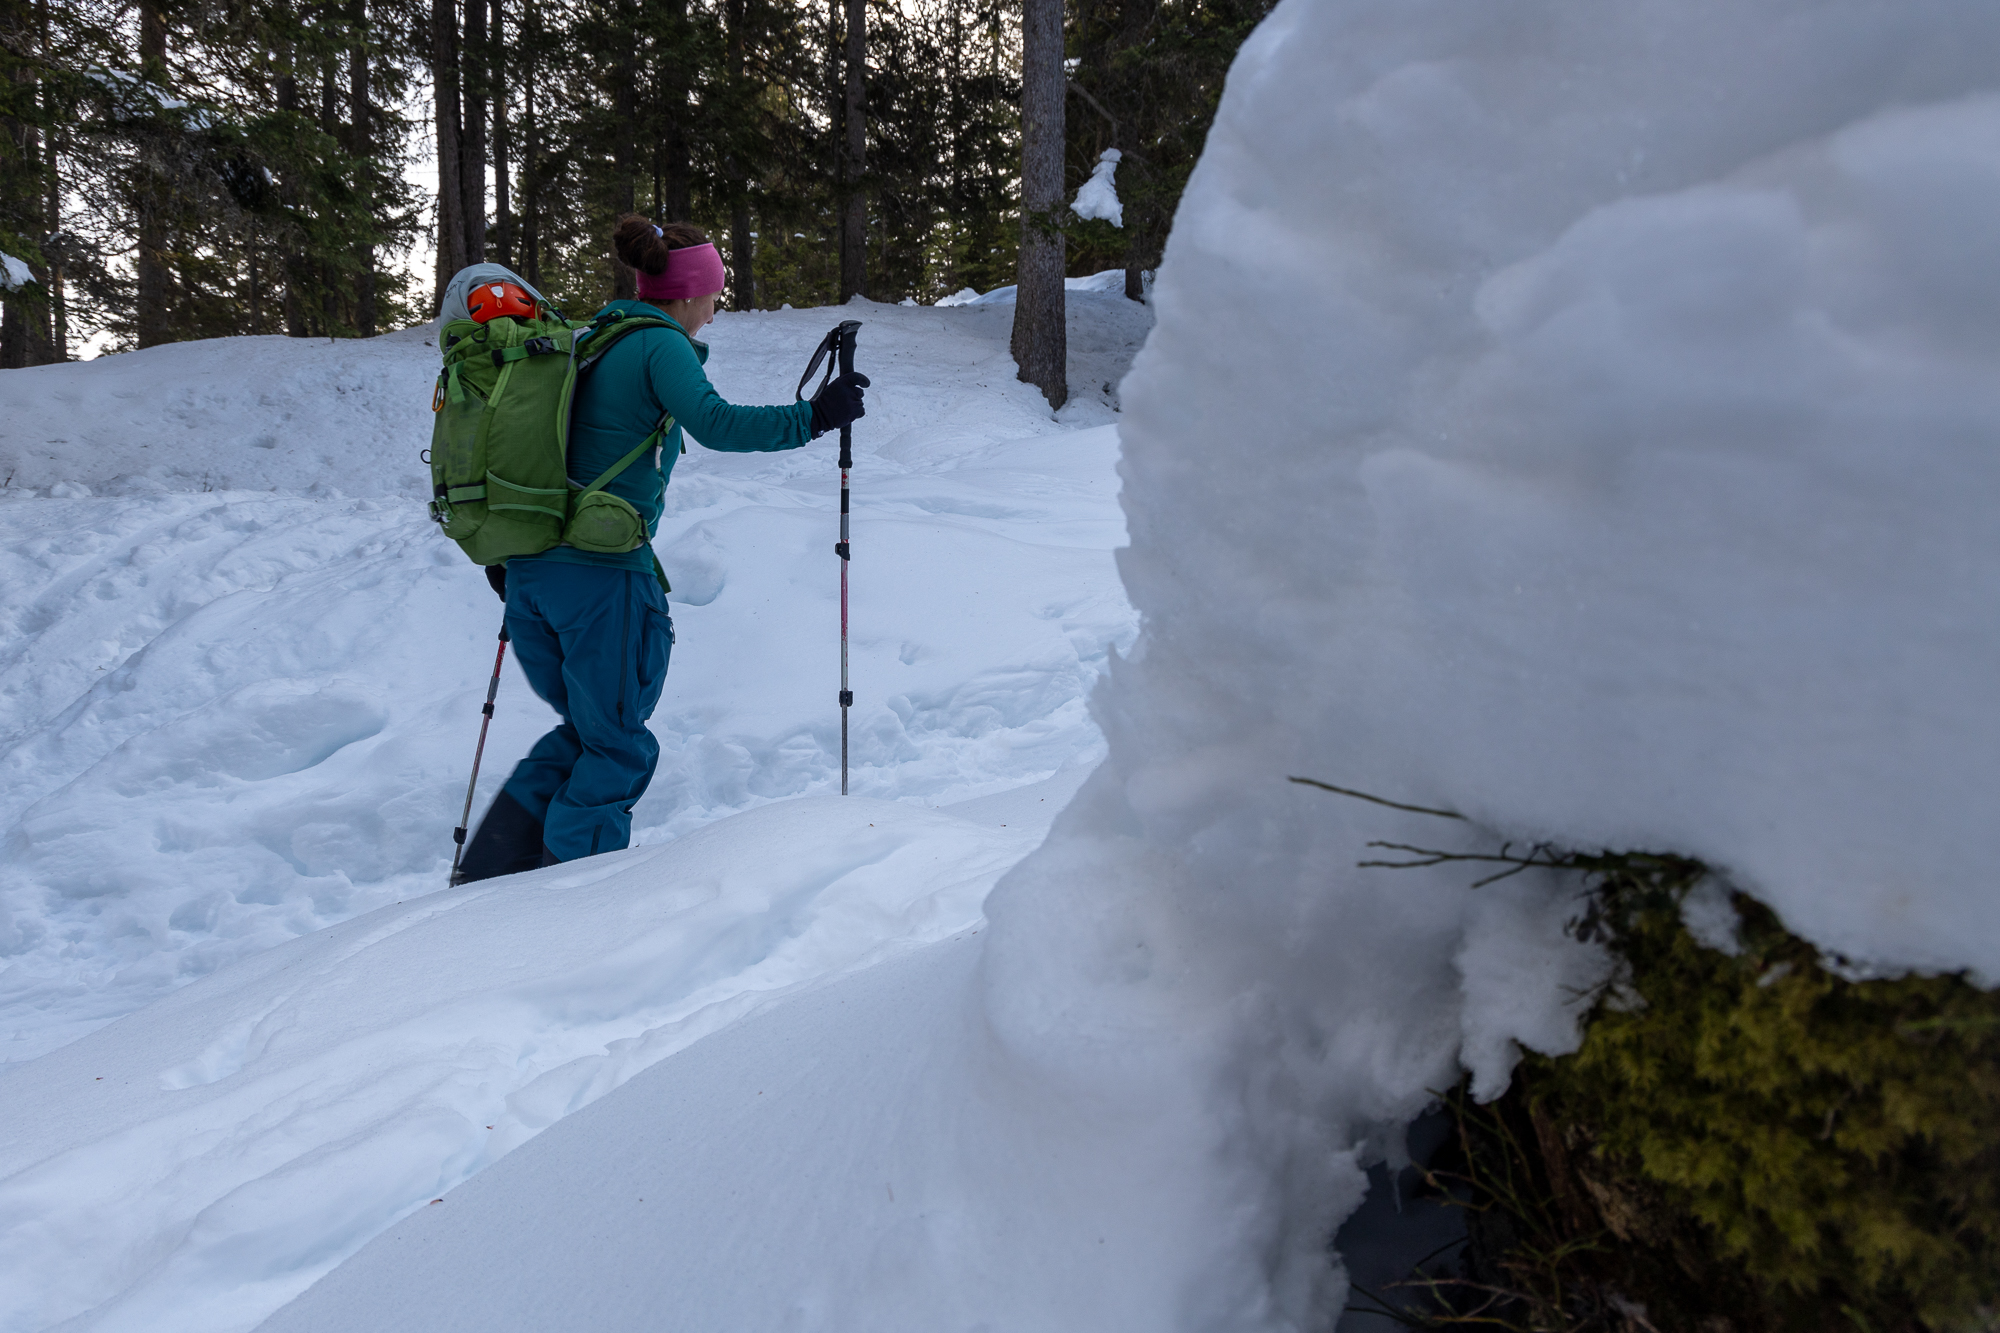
<point>229,717</point>
<point>197,1164</point>
<point>852,1159</point>
<point>1578,416</point>
<point>1096,284</point>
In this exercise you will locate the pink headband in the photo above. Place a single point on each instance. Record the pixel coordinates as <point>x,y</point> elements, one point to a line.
<point>693,271</point>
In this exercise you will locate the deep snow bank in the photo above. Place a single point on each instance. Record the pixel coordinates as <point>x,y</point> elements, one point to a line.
<point>1577,416</point>
<point>197,1164</point>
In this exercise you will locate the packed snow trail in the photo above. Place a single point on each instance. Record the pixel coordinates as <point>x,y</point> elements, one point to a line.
<point>240,671</point>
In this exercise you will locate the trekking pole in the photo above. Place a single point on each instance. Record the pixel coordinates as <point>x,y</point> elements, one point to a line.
<point>840,343</point>
<point>485,721</point>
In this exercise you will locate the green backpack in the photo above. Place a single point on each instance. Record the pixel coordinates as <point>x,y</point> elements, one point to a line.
<point>500,444</point>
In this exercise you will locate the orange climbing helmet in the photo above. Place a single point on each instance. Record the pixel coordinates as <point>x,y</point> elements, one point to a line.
<point>490,300</point>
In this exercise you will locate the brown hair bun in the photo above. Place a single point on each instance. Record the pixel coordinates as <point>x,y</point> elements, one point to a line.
<point>643,246</point>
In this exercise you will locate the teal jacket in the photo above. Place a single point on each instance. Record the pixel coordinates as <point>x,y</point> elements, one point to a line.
<point>619,403</point>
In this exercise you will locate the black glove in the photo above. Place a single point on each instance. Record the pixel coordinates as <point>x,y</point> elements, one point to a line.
<point>839,403</point>
<point>497,576</point>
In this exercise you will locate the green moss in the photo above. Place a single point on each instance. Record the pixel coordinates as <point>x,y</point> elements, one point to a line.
<point>1743,1142</point>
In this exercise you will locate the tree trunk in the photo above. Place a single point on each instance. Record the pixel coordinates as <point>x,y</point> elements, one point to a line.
<point>624,158</point>
<point>854,211</point>
<point>742,257</point>
<point>472,148</point>
<point>256,287</point>
<point>52,178</point>
<point>676,192</point>
<point>742,247</point>
<point>361,144</point>
<point>25,341</point>
<point>451,194</point>
<point>329,124</point>
<point>531,185</point>
<point>1040,342</point>
<point>151,318</point>
<point>836,116</point>
<point>294,262</point>
<point>13,333</point>
<point>503,216</point>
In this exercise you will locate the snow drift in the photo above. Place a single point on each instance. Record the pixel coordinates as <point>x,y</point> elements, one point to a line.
<point>1580,417</point>
<point>195,1166</point>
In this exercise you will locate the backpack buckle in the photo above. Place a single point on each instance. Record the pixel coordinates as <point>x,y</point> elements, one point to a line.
<point>540,346</point>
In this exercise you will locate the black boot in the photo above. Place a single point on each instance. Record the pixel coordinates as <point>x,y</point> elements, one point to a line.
<point>508,841</point>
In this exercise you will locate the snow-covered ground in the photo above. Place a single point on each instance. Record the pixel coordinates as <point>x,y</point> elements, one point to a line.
<point>197,1164</point>
<point>240,672</point>
<point>241,689</point>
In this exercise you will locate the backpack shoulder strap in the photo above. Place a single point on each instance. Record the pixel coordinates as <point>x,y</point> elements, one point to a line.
<point>607,329</point>
<point>650,442</point>
<point>603,334</point>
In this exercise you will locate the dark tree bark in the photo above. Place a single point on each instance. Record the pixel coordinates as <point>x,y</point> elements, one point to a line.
<point>451,192</point>
<point>151,319</point>
<point>531,187</point>
<point>742,246</point>
<point>503,216</point>
<point>361,144</point>
<point>854,204</point>
<point>13,333</point>
<point>52,179</point>
<point>472,148</point>
<point>24,323</point>
<point>293,262</point>
<point>1040,341</point>
<point>624,156</point>
<point>329,123</point>
<point>256,285</point>
<point>675,190</point>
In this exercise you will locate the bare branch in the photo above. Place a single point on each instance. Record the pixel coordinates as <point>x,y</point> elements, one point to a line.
<point>1378,800</point>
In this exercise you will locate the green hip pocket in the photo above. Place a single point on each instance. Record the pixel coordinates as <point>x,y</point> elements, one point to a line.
<point>604,523</point>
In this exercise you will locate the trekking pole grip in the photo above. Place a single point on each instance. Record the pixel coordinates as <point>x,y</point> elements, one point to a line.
<point>845,337</point>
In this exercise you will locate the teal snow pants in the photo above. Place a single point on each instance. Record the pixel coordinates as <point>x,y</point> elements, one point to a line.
<point>594,643</point>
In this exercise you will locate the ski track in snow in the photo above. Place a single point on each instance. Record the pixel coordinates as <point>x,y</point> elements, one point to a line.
<point>240,674</point>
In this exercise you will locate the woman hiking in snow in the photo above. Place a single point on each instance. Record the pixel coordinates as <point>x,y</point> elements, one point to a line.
<point>590,630</point>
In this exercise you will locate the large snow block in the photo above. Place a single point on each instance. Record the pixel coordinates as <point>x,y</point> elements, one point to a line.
<point>1580,417</point>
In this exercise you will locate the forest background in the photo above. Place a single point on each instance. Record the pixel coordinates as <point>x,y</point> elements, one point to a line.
<point>177,169</point>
